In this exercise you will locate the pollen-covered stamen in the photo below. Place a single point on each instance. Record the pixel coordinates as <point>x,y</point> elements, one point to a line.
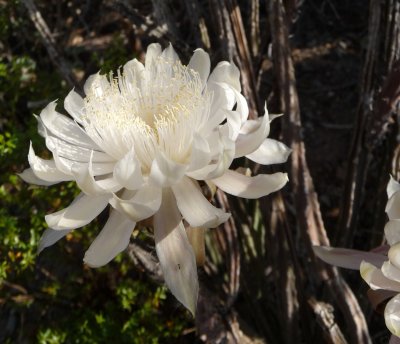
<point>159,109</point>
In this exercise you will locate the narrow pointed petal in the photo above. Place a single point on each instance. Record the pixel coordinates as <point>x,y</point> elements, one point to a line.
<point>200,62</point>
<point>393,206</point>
<point>165,172</point>
<point>170,54</point>
<point>64,128</point>
<point>127,171</point>
<point>375,278</point>
<point>392,232</point>
<point>80,212</point>
<point>141,205</point>
<point>394,254</point>
<point>270,152</point>
<point>75,153</point>
<point>152,53</point>
<point>346,258</point>
<point>50,237</point>
<point>250,187</point>
<point>46,169</point>
<point>176,256</point>
<point>390,271</point>
<point>28,176</point>
<point>75,106</point>
<point>249,142</point>
<point>392,187</point>
<point>226,72</point>
<point>195,208</point>
<point>201,153</point>
<point>96,85</point>
<point>112,240</point>
<point>392,315</point>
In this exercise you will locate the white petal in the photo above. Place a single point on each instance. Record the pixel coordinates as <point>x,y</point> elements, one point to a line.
<point>346,258</point>
<point>170,54</point>
<point>195,208</point>
<point>46,169</point>
<point>234,123</point>
<point>392,316</point>
<point>133,74</point>
<point>152,53</point>
<point>113,239</point>
<point>83,174</point>
<point>141,205</point>
<point>392,187</point>
<point>394,254</point>
<point>201,153</point>
<point>375,278</point>
<point>250,187</point>
<point>72,152</point>
<point>165,172</point>
<point>200,62</point>
<point>127,171</point>
<point>28,176</point>
<point>80,212</point>
<point>96,85</point>
<point>226,72</point>
<point>393,206</point>
<point>64,128</point>
<point>249,142</point>
<point>392,232</point>
<point>176,256</point>
<point>50,237</point>
<point>270,152</point>
<point>75,106</point>
<point>390,271</point>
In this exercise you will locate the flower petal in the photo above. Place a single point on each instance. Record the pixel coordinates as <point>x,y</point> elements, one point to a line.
<point>28,176</point>
<point>227,73</point>
<point>393,206</point>
<point>75,105</point>
<point>375,278</point>
<point>50,237</point>
<point>270,152</point>
<point>79,213</point>
<point>176,256</point>
<point>346,258</point>
<point>46,170</point>
<point>250,187</point>
<point>392,187</point>
<point>249,142</point>
<point>392,232</point>
<point>127,171</point>
<point>394,255</point>
<point>201,153</point>
<point>392,315</point>
<point>165,172</point>
<point>200,63</point>
<point>64,128</point>
<point>195,208</point>
<point>139,206</point>
<point>152,53</point>
<point>170,54</point>
<point>113,239</point>
<point>390,271</point>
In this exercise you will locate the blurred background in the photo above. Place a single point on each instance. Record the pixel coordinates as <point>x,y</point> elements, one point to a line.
<point>331,68</point>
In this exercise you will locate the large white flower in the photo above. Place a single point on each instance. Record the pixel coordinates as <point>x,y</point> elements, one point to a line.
<point>380,268</point>
<point>140,142</point>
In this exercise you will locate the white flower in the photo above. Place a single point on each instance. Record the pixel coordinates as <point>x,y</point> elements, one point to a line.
<point>379,268</point>
<point>140,142</point>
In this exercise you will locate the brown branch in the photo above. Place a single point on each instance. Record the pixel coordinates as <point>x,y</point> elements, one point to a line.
<point>48,41</point>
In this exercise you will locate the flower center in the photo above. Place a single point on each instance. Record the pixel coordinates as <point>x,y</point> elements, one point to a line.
<point>156,108</point>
